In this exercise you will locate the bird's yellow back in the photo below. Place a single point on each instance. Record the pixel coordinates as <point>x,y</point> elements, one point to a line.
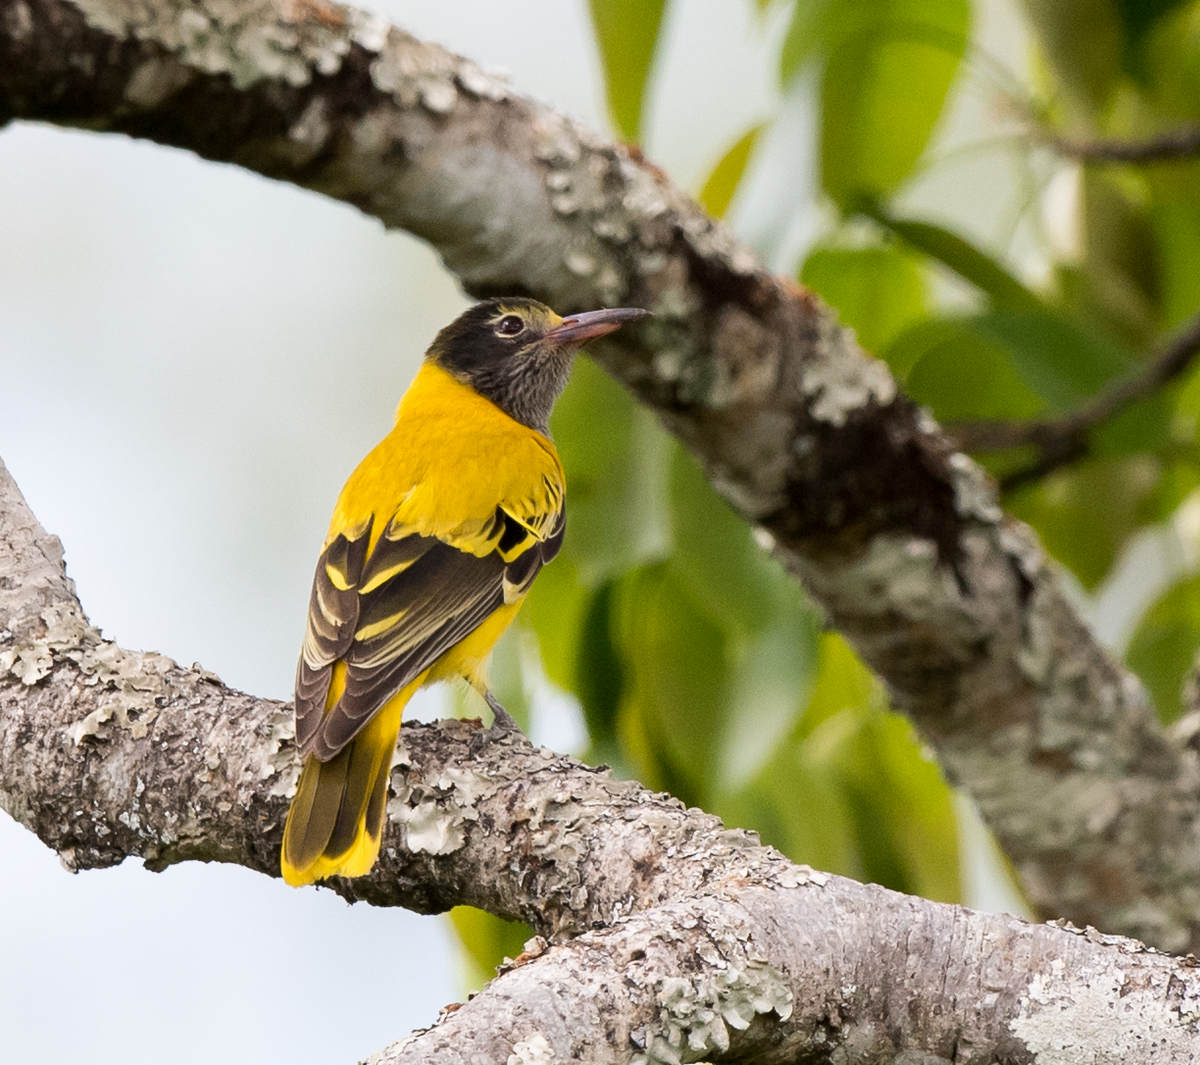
<point>450,460</point>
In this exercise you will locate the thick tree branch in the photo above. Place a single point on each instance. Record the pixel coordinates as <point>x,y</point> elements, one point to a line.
<point>675,939</point>
<point>954,605</point>
<point>1065,439</point>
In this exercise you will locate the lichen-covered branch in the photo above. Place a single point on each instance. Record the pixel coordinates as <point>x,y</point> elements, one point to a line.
<point>662,935</point>
<point>861,495</point>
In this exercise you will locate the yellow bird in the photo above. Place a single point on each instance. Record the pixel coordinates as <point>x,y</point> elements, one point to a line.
<point>434,542</point>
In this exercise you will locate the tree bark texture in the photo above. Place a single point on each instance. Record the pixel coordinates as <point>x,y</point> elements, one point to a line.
<point>662,936</point>
<point>855,489</point>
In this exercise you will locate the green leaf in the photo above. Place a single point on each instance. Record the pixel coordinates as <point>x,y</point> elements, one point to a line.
<point>1114,284</point>
<point>842,684</point>
<point>1004,364</point>
<point>953,251</point>
<point>614,455</point>
<point>1175,222</point>
<point>626,35</point>
<point>713,552</point>
<point>486,941</point>
<point>555,612</point>
<point>771,685</point>
<point>678,664</point>
<point>1058,359</point>
<point>883,91</point>
<point>1083,41</point>
<point>960,372</point>
<point>1164,646</point>
<point>599,672</point>
<point>1086,514</point>
<point>722,183</point>
<point>879,290</point>
<point>1168,65</point>
<point>853,787</point>
<point>799,806</point>
<point>814,27</point>
<point>903,810</point>
<point>1137,16</point>
<point>1144,426</point>
<point>769,628</point>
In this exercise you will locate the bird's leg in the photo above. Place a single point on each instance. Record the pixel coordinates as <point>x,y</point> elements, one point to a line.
<point>502,721</point>
<point>501,728</point>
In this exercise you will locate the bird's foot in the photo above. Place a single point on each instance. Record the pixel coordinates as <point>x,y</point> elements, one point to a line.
<point>503,725</point>
<point>502,721</point>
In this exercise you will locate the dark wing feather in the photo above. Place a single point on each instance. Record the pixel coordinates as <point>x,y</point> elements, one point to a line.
<point>440,600</point>
<point>333,608</point>
<point>415,598</point>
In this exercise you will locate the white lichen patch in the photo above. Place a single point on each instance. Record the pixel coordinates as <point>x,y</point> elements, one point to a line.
<point>282,763</point>
<point>793,876</point>
<point>18,20</point>
<point>532,1050</point>
<point>433,814</point>
<point>485,84</point>
<point>840,380</point>
<point>154,81</point>
<point>1066,1014</point>
<point>28,664</point>
<point>438,95</point>
<point>249,40</point>
<point>129,686</point>
<point>696,1013</point>
<point>412,72</point>
<point>369,30</point>
<point>974,494</point>
<point>902,575</point>
<point>556,141</point>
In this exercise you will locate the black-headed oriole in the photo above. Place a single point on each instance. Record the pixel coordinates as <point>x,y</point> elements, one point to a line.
<point>433,545</point>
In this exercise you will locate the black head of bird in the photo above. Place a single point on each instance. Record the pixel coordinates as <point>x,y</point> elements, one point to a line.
<point>517,352</point>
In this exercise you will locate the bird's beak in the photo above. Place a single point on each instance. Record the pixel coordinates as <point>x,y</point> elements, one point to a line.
<point>578,328</point>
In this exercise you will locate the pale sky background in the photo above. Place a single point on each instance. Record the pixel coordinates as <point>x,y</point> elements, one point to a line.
<point>193,359</point>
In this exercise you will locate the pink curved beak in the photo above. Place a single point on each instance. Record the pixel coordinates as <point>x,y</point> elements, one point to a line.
<point>577,328</point>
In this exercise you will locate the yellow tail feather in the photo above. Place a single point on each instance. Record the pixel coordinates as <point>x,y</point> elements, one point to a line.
<point>335,822</point>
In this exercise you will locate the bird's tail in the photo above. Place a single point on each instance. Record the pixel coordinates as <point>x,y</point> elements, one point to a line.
<point>336,819</point>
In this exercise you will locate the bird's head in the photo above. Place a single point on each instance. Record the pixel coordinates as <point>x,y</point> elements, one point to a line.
<point>517,352</point>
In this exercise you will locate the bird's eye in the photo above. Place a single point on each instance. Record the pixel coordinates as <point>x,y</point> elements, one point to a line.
<point>510,326</point>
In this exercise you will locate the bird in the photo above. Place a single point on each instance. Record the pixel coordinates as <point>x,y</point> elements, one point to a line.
<point>434,542</point>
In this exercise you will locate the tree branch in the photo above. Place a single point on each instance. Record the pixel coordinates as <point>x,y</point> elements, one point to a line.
<point>900,537</point>
<point>1065,439</point>
<point>675,938</point>
<point>1171,146</point>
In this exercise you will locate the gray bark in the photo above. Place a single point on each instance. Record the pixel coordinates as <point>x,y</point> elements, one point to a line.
<point>663,937</point>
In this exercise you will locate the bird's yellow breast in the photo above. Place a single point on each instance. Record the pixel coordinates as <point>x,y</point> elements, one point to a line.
<point>450,460</point>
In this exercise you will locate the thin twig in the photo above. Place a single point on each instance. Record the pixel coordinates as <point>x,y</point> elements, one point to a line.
<point>1183,143</point>
<point>1063,440</point>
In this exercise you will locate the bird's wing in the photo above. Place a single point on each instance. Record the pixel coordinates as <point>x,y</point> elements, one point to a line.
<point>390,611</point>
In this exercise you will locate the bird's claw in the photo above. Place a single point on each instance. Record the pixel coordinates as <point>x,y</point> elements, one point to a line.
<point>502,721</point>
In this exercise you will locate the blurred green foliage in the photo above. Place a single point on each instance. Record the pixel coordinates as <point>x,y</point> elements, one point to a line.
<point>700,666</point>
<point>723,182</point>
<point>626,35</point>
